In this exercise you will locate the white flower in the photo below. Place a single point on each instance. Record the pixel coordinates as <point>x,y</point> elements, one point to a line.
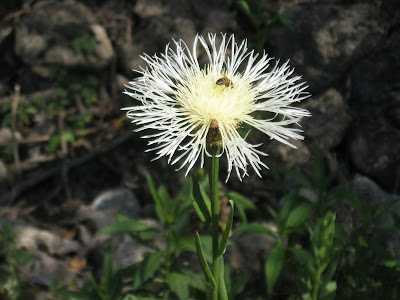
<point>182,102</point>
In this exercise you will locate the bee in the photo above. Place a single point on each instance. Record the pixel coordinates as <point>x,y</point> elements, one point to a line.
<point>224,81</point>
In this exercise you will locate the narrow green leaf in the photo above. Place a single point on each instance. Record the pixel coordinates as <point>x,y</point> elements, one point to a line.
<point>244,7</point>
<point>254,228</point>
<point>396,221</point>
<point>273,266</point>
<point>286,17</point>
<point>135,297</point>
<point>241,200</point>
<point>108,271</point>
<point>273,214</point>
<point>329,179</point>
<point>94,284</point>
<point>179,284</point>
<point>300,178</point>
<point>203,263</point>
<point>241,204</point>
<point>146,268</point>
<point>384,208</point>
<point>303,256</point>
<point>298,215</point>
<point>196,281</point>
<point>288,202</point>
<point>201,203</point>
<point>327,289</point>
<point>129,226</point>
<point>342,195</point>
<point>238,284</point>
<point>228,227</point>
<point>383,254</point>
<point>223,295</point>
<point>158,200</point>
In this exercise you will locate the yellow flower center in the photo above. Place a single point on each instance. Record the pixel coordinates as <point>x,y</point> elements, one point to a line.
<point>206,99</point>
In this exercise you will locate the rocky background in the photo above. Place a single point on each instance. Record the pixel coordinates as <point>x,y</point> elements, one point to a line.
<point>69,160</point>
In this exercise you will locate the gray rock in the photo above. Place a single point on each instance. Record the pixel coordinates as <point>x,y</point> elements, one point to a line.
<point>375,151</point>
<point>126,251</point>
<point>370,193</point>
<point>162,30</point>
<point>325,39</point>
<point>375,96</point>
<point>33,239</point>
<point>62,33</point>
<point>287,155</point>
<point>109,203</point>
<point>330,118</point>
<point>43,269</point>
<point>372,196</point>
<point>5,137</point>
<point>250,251</point>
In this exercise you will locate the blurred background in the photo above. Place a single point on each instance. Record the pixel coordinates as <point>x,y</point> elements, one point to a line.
<point>69,160</point>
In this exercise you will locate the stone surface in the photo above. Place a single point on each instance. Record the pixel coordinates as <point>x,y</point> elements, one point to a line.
<point>162,29</point>
<point>287,155</point>
<point>5,137</point>
<point>373,197</point>
<point>325,39</point>
<point>127,251</point>
<point>375,97</point>
<point>330,118</point>
<point>250,250</point>
<point>33,239</point>
<point>62,33</point>
<point>109,203</point>
<point>43,269</point>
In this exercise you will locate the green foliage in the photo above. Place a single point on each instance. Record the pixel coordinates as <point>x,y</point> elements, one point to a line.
<point>316,268</point>
<point>314,253</point>
<point>71,102</point>
<point>224,240</point>
<point>84,45</point>
<point>203,262</point>
<point>312,256</point>
<point>273,266</point>
<point>261,21</point>
<point>11,259</point>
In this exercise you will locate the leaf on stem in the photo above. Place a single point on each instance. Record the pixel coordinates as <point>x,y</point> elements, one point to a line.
<point>159,201</point>
<point>223,295</point>
<point>179,284</point>
<point>298,215</point>
<point>200,200</point>
<point>228,227</point>
<point>273,266</point>
<point>242,204</point>
<point>203,263</point>
<point>146,268</point>
<point>254,228</point>
<point>126,226</point>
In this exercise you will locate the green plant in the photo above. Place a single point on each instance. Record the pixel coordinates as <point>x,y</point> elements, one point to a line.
<point>166,277</point>
<point>315,268</point>
<point>84,44</point>
<point>11,259</point>
<point>261,21</point>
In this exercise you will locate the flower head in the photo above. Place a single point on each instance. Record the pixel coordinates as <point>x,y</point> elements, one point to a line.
<point>188,106</point>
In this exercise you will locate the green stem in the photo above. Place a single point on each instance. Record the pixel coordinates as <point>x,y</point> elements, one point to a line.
<point>167,262</point>
<point>213,180</point>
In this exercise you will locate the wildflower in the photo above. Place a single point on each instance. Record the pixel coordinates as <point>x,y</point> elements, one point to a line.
<point>190,107</point>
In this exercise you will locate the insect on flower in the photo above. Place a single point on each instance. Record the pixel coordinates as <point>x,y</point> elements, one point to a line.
<point>224,81</point>
<point>181,105</point>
